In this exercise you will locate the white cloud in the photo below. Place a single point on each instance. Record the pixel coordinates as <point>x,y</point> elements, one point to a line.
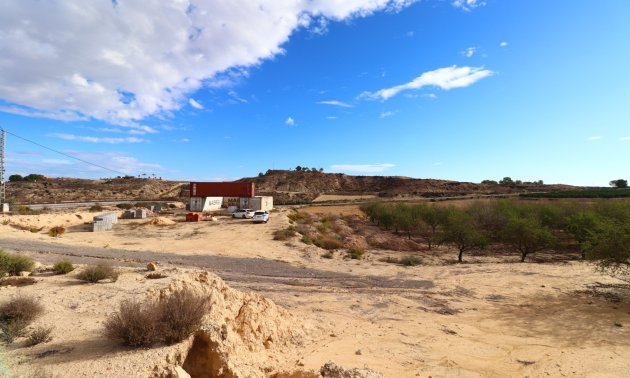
<point>468,5</point>
<point>123,61</point>
<point>195,104</point>
<point>432,96</point>
<point>445,78</point>
<point>503,44</point>
<point>626,138</point>
<point>331,117</point>
<point>469,52</point>
<point>386,114</point>
<point>62,167</point>
<point>596,138</point>
<point>290,121</point>
<point>335,103</point>
<point>437,164</point>
<point>360,167</point>
<point>92,139</point>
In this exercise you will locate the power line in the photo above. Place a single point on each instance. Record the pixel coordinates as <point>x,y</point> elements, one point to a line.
<point>64,154</point>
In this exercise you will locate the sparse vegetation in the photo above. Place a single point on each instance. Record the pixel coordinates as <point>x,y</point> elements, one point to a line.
<point>582,193</point>
<point>96,273</point>
<point>17,281</point>
<point>39,335</point>
<point>355,253</point>
<point>328,242</point>
<point>155,276</point>
<point>14,264</point>
<point>96,208</point>
<point>328,255</point>
<point>410,261</point>
<point>56,231</point>
<point>124,206</point>
<point>16,315</point>
<point>284,234</point>
<point>63,267</point>
<point>170,320</point>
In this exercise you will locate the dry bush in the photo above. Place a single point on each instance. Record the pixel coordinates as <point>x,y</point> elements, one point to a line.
<point>39,335</point>
<point>96,208</point>
<point>327,242</point>
<point>14,264</point>
<point>136,324</point>
<point>182,313</point>
<point>170,320</point>
<point>328,255</point>
<point>155,275</point>
<point>63,267</point>
<point>56,231</point>
<point>284,234</point>
<point>300,217</point>
<point>16,315</point>
<point>35,230</point>
<point>17,281</point>
<point>410,261</point>
<point>95,273</point>
<point>124,206</point>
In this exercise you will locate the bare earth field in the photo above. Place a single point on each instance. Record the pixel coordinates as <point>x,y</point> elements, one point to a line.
<point>488,317</point>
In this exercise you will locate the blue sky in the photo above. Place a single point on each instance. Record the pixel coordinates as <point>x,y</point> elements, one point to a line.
<point>463,90</point>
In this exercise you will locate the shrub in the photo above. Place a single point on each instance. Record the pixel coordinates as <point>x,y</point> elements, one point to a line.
<point>136,324</point>
<point>300,217</point>
<point>56,231</point>
<point>284,234</point>
<point>38,336</point>
<point>155,275</point>
<point>14,264</point>
<point>63,267</point>
<point>410,261</point>
<point>356,253</point>
<point>328,255</point>
<point>16,315</point>
<point>35,230</point>
<point>182,313</point>
<point>327,242</point>
<point>95,273</point>
<point>307,240</point>
<point>170,320</point>
<point>96,208</point>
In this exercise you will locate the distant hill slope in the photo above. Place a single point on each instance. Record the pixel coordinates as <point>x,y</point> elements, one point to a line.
<point>287,185</point>
<point>79,190</point>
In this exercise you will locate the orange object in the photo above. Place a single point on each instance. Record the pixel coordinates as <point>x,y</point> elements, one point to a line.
<point>194,217</point>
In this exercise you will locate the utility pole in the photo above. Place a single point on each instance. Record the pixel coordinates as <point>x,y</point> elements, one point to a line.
<point>4,207</point>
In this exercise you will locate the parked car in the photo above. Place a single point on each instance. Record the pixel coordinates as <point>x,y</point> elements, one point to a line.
<point>261,217</point>
<point>243,213</point>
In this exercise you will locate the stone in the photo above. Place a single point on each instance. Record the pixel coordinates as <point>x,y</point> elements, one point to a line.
<point>152,266</point>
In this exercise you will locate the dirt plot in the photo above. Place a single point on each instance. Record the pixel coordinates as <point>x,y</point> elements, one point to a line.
<point>489,317</point>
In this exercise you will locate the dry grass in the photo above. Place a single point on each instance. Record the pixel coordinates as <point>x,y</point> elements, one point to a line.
<point>16,315</point>
<point>96,273</point>
<point>63,267</point>
<point>284,234</point>
<point>17,281</point>
<point>39,335</point>
<point>56,231</point>
<point>155,276</point>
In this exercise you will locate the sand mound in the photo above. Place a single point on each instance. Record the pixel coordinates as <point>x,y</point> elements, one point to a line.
<point>160,221</point>
<point>242,336</point>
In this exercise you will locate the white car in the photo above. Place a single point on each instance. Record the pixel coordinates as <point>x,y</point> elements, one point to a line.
<point>261,217</point>
<point>243,213</point>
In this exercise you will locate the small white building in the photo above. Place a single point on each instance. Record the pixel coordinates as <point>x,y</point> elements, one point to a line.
<point>257,203</point>
<point>205,203</point>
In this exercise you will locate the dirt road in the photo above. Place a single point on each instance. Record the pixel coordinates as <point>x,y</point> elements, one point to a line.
<point>247,272</point>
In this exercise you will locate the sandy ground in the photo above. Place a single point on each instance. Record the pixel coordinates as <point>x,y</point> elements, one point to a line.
<point>488,317</point>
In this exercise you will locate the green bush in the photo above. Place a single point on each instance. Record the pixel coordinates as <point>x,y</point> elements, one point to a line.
<point>307,240</point>
<point>63,267</point>
<point>95,273</point>
<point>410,261</point>
<point>355,253</point>
<point>14,264</point>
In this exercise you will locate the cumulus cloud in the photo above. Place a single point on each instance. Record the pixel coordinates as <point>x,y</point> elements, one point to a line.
<point>92,139</point>
<point>468,5</point>
<point>335,103</point>
<point>625,138</point>
<point>123,61</point>
<point>361,167</point>
<point>195,104</point>
<point>503,44</point>
<point>290,121</point>
<point>445,78</point>
<point>386,114</point>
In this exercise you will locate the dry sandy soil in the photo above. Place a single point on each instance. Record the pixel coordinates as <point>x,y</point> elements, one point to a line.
<point>489,317</point>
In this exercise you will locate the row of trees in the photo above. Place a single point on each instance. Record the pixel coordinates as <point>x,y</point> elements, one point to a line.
<point>601,230</point>
<point>507,181</point>
<point>30,178</point>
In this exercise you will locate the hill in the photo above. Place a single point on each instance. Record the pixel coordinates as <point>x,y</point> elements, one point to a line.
<point>288,186</point>
<point>53,190</point>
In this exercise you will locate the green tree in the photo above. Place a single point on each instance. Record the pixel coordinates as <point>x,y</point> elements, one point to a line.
<point>432,217</point>
<point>15,178</point>
<point>609,245</point>
<point>619,183</point>
<point>583,226</point>
<point>506,181</point>
<point>489,182</point>
<point>527,234</point>
<point>298,168</point>
<point>460,230</point>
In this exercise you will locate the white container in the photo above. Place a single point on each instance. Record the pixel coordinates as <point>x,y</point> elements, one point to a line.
<point>205,203</point>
